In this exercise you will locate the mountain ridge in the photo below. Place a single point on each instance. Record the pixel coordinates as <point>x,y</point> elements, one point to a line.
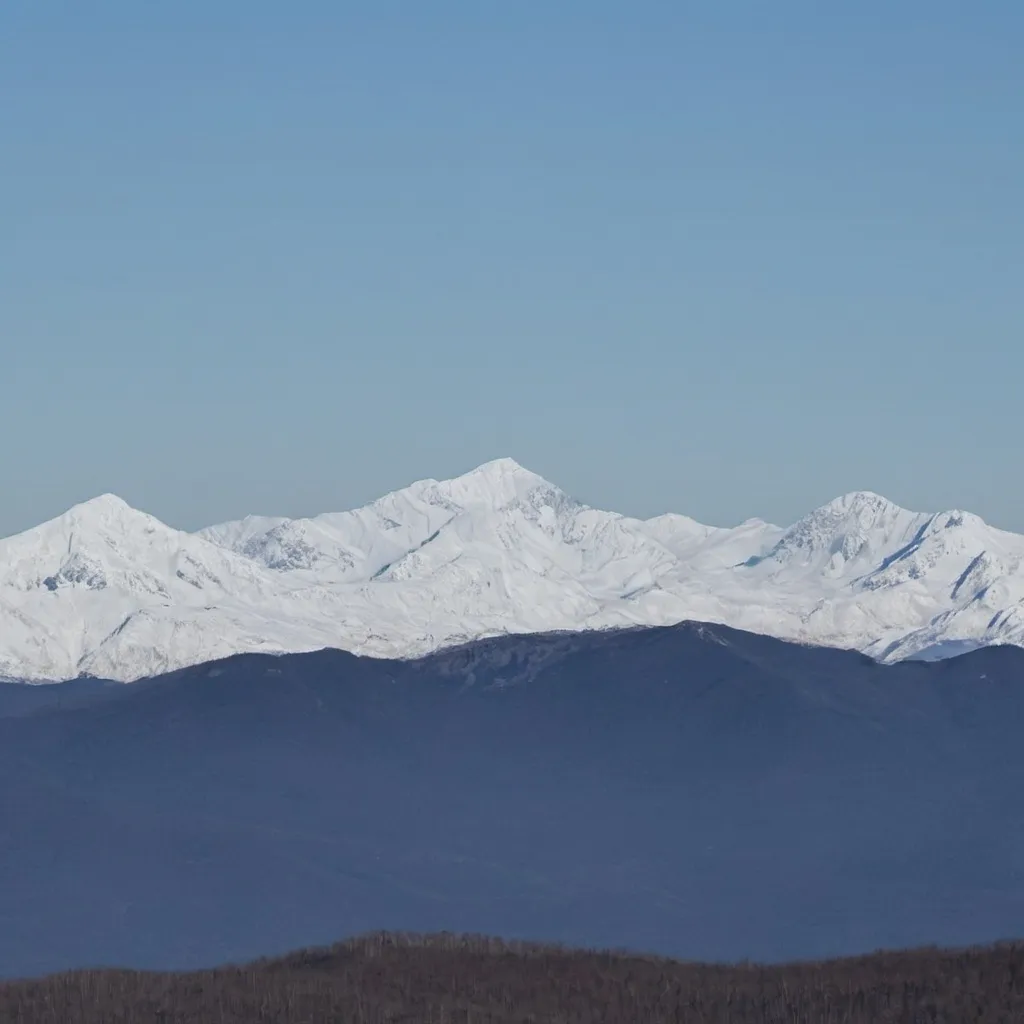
<point>110,591</point>
<point>691,790</point>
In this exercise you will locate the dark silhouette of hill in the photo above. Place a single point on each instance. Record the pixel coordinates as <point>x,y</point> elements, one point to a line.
<point>694,790</point>
<point>21,698</point>
<point>398,979</point>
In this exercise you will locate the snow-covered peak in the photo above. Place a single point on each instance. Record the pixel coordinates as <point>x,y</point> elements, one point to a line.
<point>105,542</point>
<point>494,485</point>
<point>859,512</point>
<point>502,475</point>
<point>105,511</point>
<point>95,576</point>
<point>80,535</point>
<point>862,504</point>
<point>361,543</point>
<point>102,504</point>
<point>843,538</point>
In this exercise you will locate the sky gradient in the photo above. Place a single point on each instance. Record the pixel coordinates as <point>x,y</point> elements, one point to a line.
<point>723,259</point>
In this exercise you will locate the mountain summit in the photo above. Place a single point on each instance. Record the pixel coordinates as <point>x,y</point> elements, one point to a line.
<point>843,536</point>
<point>107,590</point>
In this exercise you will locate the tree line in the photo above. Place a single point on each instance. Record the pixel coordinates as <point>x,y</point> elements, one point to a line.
<point>448,979</point>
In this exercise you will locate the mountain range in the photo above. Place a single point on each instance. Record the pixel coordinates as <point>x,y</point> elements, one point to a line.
<point>690,790</point>
<point>107,591</point>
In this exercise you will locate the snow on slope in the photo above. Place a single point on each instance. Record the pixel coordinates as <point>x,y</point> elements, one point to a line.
<point>109,591</point>
<point>857,572</point>
<point>866,573</point>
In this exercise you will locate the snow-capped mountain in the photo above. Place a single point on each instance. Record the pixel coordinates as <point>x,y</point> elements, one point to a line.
<point>109,591</point>
<point>868,574</point>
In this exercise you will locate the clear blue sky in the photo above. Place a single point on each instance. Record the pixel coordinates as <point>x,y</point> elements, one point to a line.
<point>728,259</point>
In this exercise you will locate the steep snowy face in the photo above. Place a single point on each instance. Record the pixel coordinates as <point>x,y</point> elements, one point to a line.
<point>865,541</point>
<point>841,540</point>
<point>956,547</point>
<point>104,544</point>
<point>84,590</point>
<point>499,545</point>
<point>863,572</point>
<point>974,575</point>
<point>358,545</point>
<point>498,519</point>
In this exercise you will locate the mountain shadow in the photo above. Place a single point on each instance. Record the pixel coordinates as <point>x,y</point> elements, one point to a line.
<point>693,790</point>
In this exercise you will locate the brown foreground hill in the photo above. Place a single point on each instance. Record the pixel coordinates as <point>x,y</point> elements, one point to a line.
<point>445,979</point>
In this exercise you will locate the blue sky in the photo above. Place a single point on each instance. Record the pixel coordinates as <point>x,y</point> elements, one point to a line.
<point>727,259</point>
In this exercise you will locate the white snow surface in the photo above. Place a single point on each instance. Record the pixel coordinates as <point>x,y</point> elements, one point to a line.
<point>109,591</point>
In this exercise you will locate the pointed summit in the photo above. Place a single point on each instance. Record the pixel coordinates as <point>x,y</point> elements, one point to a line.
<point>102,504</point>
<point>105,500</point>
<point>498,469</point>
<point>849,533</point>
<point>863,505</point>
<point>496,483</point>
<point>108,511</point>
<point>505,464</point>
<point>856,511</point>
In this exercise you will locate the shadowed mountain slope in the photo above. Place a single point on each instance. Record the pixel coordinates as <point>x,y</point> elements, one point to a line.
<point>691,790</point>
